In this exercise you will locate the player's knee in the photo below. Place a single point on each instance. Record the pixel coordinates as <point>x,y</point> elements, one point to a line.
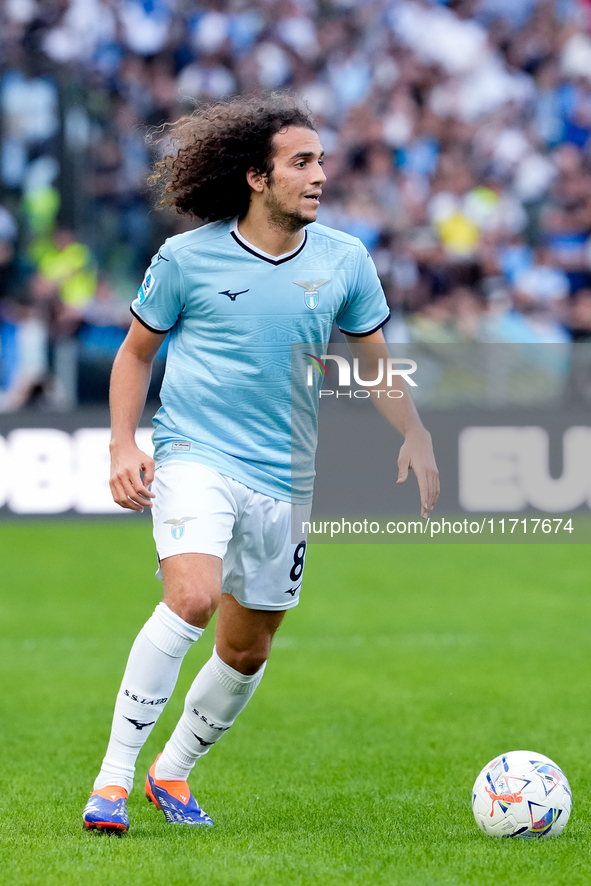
<point>194,608</point>
<point>246,661</point>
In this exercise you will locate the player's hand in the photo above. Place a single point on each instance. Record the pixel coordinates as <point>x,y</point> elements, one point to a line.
<point>128,488</point>
<point>416,453</point>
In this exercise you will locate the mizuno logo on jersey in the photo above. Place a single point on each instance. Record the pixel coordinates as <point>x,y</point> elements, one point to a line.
<point>311,297</point>
<point>232,295</point>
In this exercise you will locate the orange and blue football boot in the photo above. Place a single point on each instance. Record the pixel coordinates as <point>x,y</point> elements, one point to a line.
<point>175,800</point>
<point>106,810</point>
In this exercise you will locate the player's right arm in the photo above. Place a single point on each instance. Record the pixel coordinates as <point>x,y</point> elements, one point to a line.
<point>130,380</point>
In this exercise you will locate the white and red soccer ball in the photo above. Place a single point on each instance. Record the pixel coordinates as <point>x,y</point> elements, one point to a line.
<point>521,794</point>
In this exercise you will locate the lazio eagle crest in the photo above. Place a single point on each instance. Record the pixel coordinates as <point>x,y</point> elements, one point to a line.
<point>311,294</point>
<point>178,526</point>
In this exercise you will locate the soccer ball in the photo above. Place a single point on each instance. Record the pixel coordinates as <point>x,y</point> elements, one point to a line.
<point>521,794</point>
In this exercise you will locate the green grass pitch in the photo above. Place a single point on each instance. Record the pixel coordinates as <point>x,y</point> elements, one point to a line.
<point>402,672</point>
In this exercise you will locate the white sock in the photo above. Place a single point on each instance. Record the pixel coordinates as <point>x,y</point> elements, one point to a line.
<point>150,677</point>
<point>217,696</point>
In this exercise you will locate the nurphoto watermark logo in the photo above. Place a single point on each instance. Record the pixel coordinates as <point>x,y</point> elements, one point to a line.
<point>387,371</point>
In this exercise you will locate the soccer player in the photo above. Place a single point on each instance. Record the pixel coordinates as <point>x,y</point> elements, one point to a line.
<point>234,295</point>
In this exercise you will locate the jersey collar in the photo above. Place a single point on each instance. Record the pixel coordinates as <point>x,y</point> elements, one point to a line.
<point>254,250</point>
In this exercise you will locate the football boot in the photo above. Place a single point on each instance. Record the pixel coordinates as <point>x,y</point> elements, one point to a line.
<point>175,800</point>
<point>106,810</point>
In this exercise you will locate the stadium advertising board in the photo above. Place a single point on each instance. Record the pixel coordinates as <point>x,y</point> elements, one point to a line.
<point>53,464</point>
<point>511,427</point>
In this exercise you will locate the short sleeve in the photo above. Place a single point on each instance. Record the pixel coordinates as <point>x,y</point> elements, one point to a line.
<point>160,298</point>
<point>366,309</point>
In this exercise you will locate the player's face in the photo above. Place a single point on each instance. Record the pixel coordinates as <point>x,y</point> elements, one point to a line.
<point>292,191</point>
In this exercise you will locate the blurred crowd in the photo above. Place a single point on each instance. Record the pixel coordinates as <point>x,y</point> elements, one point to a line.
<point>458,148</point>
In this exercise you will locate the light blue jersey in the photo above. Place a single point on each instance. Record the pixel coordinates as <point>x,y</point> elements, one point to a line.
<point>233,313</point>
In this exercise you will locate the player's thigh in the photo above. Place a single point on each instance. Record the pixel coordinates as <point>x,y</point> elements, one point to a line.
<point>264,564</point>
<point>243,636</point>
<point>194,514</point>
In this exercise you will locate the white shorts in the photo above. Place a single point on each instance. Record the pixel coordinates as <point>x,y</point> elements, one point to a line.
<point>198,511</point>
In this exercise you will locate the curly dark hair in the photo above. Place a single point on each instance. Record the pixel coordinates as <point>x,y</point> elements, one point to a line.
<point>204,174</point>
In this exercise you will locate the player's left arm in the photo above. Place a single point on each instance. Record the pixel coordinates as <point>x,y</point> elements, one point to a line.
<point>416,453</point>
